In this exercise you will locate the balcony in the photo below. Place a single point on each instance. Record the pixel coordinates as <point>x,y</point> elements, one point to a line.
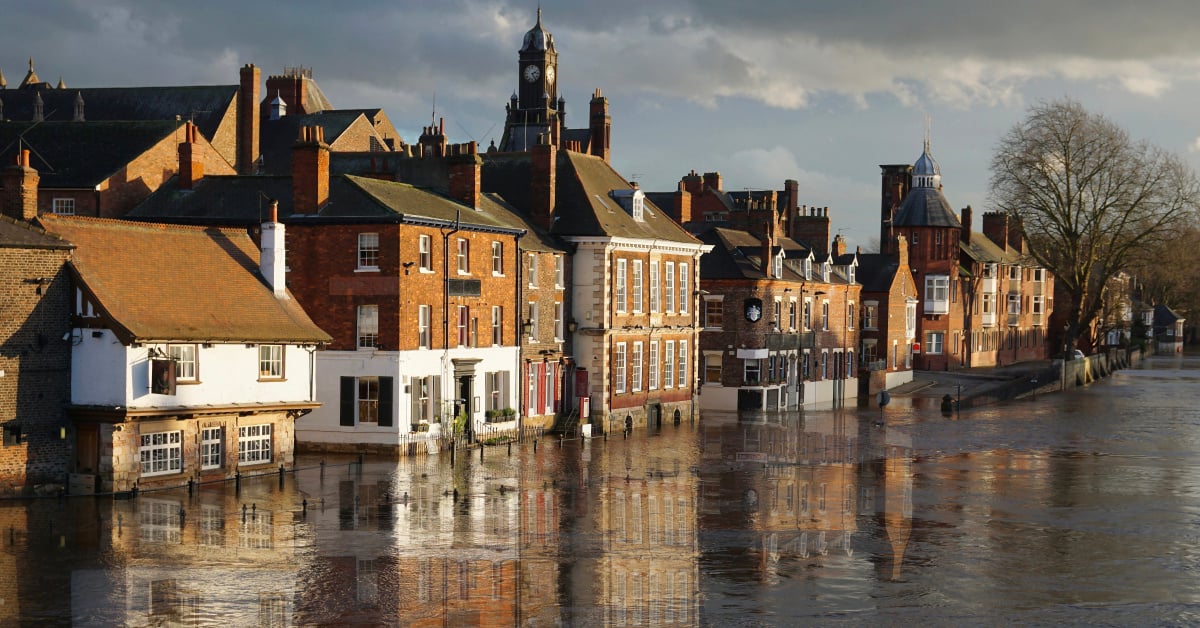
<point>1014,319</point>
<point>941,306</point>
<point>791,342</point>
<point>989,284</point>
<point>989,319</point>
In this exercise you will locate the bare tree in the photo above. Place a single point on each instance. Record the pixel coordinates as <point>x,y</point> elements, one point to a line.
<point>1090,200</point>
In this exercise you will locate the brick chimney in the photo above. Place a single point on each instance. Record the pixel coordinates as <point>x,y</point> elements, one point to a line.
<point>310,171</point>
<point>692,183</point>
<point>600,126</point>
<point>272,258</point>
<point>191,169</point>
<point>20,193</point>
<point>248,120</point>
<point>839,245</point>
<point>433,140</point>
<point>995,227</point>
<point>465,167</point>
<point>1016,235</point>
<point>967,218</point>
<point>901,246</point>
<point>543,182</point>
<point>712,181</point>
<point>683,204</point>
<point>812,228</point>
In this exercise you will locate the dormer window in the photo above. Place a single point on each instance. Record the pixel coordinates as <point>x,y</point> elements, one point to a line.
<point>824,271</point>
<point>807,268</point>
<point>632,201</point>
<point>777,271</point>
<point>850,273</point>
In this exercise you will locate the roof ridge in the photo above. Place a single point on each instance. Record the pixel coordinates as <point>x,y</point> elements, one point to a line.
<point>140,224</point>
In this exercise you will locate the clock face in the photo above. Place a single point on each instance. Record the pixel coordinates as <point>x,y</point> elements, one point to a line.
<point>549,74</point>
<point>532,73</point>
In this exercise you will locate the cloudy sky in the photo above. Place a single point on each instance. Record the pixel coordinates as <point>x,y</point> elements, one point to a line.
<point>762,91</point>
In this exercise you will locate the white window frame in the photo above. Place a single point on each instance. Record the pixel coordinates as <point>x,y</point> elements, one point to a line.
<point>424,335</point>
<point>635,370</point>
<point>937,294</point>
<point>622,286</point>
<point>462,326</point>
<point>497,325</point>
<point>531,269</point>
<point>558,321</point>
<point>425,253</point>
<point>684,288</point>
<point>655,290</point>
<point>187,362</point>
<point>63,206</point>
<point>871,315</point>
<point>497,258</point>
<point>652,376</point>
<point>850,315</point>
<point>636,288</point>
<point>559,272</point>
<point>211,447</point>
<point>270,361</point>
<point>463,256</point>
<point>366,407</point>
<point>712,306</point>
<point>935,342</point>
<point>619,369</point>
<point>669,285</point>
<point>533,320</point>
<point>161,453</point>
<point>251,441</point>
<point>669,364</point>
<point>825,315</point>
<point>368,251</point>
<point>367,332</point>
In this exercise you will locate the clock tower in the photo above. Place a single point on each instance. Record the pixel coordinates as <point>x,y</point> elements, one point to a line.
<point>534,108</point>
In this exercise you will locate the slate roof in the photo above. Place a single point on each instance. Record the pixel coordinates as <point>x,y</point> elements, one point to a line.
<point>737,254</point>
<point>982,249</point>
<point>206,105</point>
<point>925,207</point>
<point>217,200</point>
<point>161,283</point>
<point>81,154</point>
<point>876,271</point>
<point>277,137</point>
<point>1164,316</point>
<point>17,234</point>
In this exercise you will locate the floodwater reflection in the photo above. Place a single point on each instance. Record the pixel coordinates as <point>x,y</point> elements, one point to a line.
<point>1031,511</point>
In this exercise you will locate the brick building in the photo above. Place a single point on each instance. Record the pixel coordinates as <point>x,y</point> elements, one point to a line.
<point>106,168</point>
<point>983,301</point>
<point>779,323</point>
<point>35,296</point>
<point>889,317</point>
<point>189,358</point>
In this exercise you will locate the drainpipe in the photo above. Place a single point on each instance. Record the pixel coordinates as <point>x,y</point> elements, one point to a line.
<point>446,303</point>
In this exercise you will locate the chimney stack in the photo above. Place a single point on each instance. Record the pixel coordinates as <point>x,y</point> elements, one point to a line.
<point>20,194</point>
<point>600,126</point>
<point>768,248</point>
<point>272,262</point>
<point>683,204</point>
<point>310,171</point>
<point>543,182</point>
<point>191,169</point>
<point>995,227</point>
<point>465,167</point>
<point>248,119</point>
<point>902,252</point>
<point>967,218</point>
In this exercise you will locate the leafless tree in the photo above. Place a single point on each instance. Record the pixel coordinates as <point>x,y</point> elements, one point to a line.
<point>1090,200</point>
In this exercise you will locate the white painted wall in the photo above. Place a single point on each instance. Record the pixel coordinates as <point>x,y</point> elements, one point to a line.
<point>323,425</point>
<point>105,372</point>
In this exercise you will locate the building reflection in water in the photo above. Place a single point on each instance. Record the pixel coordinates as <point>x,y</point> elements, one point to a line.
<point>788,490</point>
<point>615,532</point>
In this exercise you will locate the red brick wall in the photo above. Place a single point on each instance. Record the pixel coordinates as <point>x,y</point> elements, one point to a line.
<point>132,184</point>
<point>324,258</point>
<point>36,362</point>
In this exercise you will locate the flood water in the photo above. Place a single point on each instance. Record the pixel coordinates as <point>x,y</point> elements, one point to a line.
<point>1079,507</point>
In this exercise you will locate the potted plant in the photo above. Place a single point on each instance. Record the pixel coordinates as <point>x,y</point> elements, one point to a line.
<point>509,414</point>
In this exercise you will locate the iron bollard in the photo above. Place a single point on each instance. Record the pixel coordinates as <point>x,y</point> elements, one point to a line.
<point>243,513</point>
<point>535,445</point>
<point>304,506</point>
<point>237,481</point>
<point>481,452</point>
<point>322,469</point>
<point>510,448</point>
<point>191,486</point>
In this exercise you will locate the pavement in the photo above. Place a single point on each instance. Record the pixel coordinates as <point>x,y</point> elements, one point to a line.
<point>970,382</point>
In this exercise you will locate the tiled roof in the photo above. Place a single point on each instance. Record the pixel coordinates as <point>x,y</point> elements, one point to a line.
<point>205,105</point>
<point>16,234</point>
<point>170,283</point>
<point>81,154</point>
<point>925,207</point>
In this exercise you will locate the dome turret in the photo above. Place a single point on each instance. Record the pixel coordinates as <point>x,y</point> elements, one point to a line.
<point>538,38</point>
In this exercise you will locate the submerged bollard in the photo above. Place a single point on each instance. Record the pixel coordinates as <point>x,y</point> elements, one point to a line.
<point>510,447</point>
<point>304,506</point>
<point>481,452</point>
<point>322,469</point>
<point>237,481</point>
<point>535,445</point>
<point>191,486</point>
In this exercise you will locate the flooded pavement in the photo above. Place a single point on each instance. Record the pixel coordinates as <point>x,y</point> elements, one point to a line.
<point>1079,507</point>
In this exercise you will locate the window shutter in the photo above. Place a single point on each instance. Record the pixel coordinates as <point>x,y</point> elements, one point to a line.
<point>385,402</point>
<point>348,397</point>
<point>504,388</point>
<point>435,393</point>
<point>414,389</point>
